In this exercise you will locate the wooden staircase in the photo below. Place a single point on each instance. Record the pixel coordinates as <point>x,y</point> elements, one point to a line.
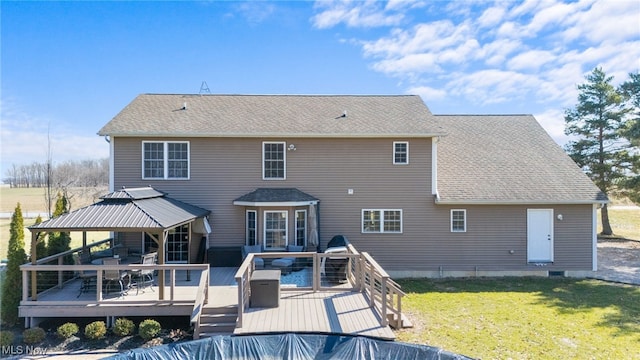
<point>219,320</point>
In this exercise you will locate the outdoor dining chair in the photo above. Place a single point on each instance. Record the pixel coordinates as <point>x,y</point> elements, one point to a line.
<point>114,276</point>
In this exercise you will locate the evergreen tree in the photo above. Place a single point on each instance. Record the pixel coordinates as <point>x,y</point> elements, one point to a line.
<point>630,186</point>
<point>41,245</point>
<point>59,242</point>
<point>597,121</point>
<point>12,284</point>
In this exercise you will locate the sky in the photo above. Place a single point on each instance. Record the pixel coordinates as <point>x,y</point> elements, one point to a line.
<point>67,68</point>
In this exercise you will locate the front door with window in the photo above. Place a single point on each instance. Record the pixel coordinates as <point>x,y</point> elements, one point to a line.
<point>539,235</point>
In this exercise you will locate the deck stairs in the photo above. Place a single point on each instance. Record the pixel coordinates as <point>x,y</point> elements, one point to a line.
<point>218,320</point>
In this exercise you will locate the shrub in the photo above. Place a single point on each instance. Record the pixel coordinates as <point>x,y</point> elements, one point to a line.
<point>123,327</point>
<point>67,330</point>
<point>148,329</point>
<point>6,338</point>
<point>95,330</point>
<point>33,335</point>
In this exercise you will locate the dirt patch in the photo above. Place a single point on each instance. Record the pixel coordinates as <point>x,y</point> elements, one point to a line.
<point>619,261</point>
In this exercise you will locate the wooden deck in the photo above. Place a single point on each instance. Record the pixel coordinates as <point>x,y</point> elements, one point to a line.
<point>337,311</point>
<point>316,312</point>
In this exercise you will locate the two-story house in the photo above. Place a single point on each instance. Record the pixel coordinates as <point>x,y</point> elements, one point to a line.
<point>426,194</point>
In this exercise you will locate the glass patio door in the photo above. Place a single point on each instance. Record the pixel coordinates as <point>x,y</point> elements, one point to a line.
<point>177,248</point>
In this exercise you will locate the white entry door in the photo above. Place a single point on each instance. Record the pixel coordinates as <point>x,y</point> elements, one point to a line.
<point>539,235</point>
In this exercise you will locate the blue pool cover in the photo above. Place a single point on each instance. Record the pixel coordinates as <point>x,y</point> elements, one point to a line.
<point>289,346</point>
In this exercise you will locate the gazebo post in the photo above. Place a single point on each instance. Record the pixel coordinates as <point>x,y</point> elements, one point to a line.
<point>34,259</point>
<point>163,241</point>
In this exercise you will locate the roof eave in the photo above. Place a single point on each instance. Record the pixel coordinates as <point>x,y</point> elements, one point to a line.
<point>275,203</point>
<point>440,201</point>
<point>282,135</point>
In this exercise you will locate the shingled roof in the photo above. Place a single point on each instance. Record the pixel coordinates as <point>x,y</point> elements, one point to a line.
<point>273,115</point>
<point>506,159</point>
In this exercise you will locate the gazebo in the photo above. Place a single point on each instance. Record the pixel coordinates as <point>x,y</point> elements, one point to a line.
<point>142,210</point>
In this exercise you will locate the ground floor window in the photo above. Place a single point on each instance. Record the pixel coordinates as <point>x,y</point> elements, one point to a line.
<point>251,223</point>
<point>275,229</point>
<point>301,227</point>
<point>381,221</point>
<point>458,220</point>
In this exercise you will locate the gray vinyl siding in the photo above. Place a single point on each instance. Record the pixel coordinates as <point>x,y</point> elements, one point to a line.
<point>223,169</point>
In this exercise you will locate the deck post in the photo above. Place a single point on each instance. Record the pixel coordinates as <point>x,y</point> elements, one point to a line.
<point>383,296</point>
<point>25,285</point>
<point>99,285</point>
<point>316,272</point>
<point>161,255</point>
<point>172,281</point>
<point>60,273</point>
<point>240,299</point>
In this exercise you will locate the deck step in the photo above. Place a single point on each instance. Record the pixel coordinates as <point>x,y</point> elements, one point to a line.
<point>219,320</point>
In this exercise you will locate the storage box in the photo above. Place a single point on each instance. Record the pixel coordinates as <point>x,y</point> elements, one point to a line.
<point>265,288</point>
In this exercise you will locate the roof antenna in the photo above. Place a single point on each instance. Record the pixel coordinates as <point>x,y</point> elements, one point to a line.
<point>204,88</point>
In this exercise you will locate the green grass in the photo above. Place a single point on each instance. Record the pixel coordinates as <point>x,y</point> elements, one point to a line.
<point>33,200</point>
<point>625,223</point>
<point>524,318</point>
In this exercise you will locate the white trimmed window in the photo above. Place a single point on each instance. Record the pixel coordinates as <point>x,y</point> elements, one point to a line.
<point>382,221</point>
<point>165,160</point>
<point>301,227</point>
<point>275,229</point>
<point>458,220</point>
<point>273,160</point>
<point>400,152</point>
<point>251,223</point>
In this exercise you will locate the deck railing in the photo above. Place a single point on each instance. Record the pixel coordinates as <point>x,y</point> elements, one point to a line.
<point>362,273</point>
<point>202,298</point>
<point>29,269</point>
<point>384,293</point>
<point>45,283</point>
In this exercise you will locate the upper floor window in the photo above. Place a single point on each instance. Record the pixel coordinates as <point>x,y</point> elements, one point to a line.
<point>382,221</point>
<point>400,152</point>
<point>458,220</point>
<point>273,161</point>
<point>165,159</point>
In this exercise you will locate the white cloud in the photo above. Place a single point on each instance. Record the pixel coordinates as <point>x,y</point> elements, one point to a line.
<point>355,14</point>
<point>524,55</point>
<point>427,93</point>
<point>552,120</point>
<point>25,139</point>
<point>530,60</point>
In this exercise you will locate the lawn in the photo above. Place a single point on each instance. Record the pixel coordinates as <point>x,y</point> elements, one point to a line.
<point>625,222</point>
<point>524,318</point>
<point>33,200</point>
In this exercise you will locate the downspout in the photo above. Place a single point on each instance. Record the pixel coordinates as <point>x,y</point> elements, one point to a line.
<point>111,164</point>
<point>434,168</point>
<point>594,234</point>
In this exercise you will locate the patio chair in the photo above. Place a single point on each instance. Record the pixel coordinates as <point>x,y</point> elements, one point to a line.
<point>288,264</point>
<point>88,279</point>
<point>111,276</point>
<point>253,249</point>
<point>144,277</point>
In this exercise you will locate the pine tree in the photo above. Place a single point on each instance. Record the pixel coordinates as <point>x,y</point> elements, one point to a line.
<point>597,121</point>
<point>631,90</point>
<point>59,242</point>
<point>12,284</point>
